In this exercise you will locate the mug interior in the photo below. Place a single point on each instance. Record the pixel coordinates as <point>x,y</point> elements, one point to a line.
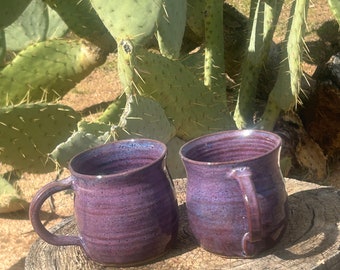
<point>118,157</point>
<point>231,146</point>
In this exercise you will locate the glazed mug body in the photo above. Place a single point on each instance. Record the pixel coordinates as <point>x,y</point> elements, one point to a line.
<point>236,198</point>
<point>125,206</point>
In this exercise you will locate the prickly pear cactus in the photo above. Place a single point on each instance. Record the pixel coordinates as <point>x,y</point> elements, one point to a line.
<point>126,61</point>
<point>10,199</point>
<point>335,7</point>
<point>193,109</point>
<point>83,20</point>
<point>113,112</point>
<point>263,22</point>
<point>144,117</point>
<point>2,48</point>
<point>28,132</point>
<point>284,95</point>
<point>174,162</point>
<point>214,76</point>
<point>10,10</point>
<point>87,135</point>
<point>195,17</point>
<point>129,19</point>
<point>36,23</point>
<point>170,28</point>
<point>251,68</point>
<point>47,70</point>
<point>141,117</point>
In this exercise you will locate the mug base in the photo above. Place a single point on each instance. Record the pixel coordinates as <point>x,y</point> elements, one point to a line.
<point>259,249</point>
<point>132,264</point>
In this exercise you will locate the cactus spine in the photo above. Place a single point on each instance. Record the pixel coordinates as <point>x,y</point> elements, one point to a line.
<point>47,71</point>
<point>28,132</point>
<point>263,19</point>
<point>129,20</point>
<point>84,22</point>
<point>37,23</point>
<point>214,76</point>
<point>193,109</point>
<point>170,28</point>
<point>283,97</point>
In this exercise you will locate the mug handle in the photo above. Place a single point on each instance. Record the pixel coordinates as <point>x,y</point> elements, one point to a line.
<point>242,176</point>
<point>35,207</point>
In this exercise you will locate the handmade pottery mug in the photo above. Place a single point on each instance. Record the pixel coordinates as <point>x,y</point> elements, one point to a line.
<point>125,205</point>
<point>236,198</point>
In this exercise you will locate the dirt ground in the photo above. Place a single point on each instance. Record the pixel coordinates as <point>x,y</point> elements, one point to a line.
<point>16,233</point>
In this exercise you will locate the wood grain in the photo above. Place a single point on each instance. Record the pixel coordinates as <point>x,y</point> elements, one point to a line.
<point>311,241</point>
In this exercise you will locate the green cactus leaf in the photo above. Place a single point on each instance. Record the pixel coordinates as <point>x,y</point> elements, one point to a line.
<point>195,17</point>
<point>88,135</point>
<point>214,76</point>
<point>113,113</point>
<point>30,27</point>
<point>171,26</point>
<point>37,23</point>
<point>335,7</point>
<point>251,68</point>
<point>174,162</point>
<point>284,95</point>
<point>83,20</point>
<point>10,199</point>
<point>2,48</point>
<point>144,117</point>
<point>126,65</point>
<point>195,63</point>
<point>130,19</point>
<point>56,26</point>
<point>28,132</point>
<point>47,70</point>
<point>295,49</point>
<point>10,11</point>
<point>192,108</point>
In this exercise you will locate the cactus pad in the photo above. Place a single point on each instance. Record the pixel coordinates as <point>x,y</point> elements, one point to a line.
<point>171,26</point>
<point>129,19</point>
<point>174,162</point>
<point>144,118</point>
<point>28,132</point>
<point>10,200</point>
<point>47,70</point>
<point>36,23</point>
<point>192,108</point>
<point>195,17</point>
<point>10,11</point>
<point>335,7</point>
<point>2,48</point>
<point>83,20</point>
<point>113,113</point>
<point>88,135</point>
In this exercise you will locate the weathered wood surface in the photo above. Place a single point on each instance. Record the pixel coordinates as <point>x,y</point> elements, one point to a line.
<point>311,241</point>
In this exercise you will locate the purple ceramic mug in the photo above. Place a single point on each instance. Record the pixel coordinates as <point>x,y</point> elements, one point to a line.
<point>125,205</point>
<point>236,198</point>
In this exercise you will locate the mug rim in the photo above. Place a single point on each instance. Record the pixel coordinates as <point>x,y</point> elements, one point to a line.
<point>246,132</point>
<point>124,141</point>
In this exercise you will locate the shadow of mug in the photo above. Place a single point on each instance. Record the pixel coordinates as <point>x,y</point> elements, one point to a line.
<point>312,224</point>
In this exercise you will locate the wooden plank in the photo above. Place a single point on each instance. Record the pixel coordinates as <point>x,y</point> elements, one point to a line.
<point>311,241</point>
